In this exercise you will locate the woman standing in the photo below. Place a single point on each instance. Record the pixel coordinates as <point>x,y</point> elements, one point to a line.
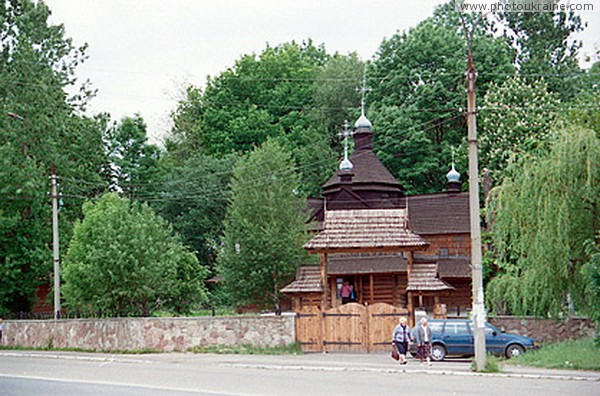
<point>423,340</point>
<point>401,338</point>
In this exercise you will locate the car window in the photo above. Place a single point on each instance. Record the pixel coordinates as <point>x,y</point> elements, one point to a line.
<point>456,328</point>
<point>488,331</point>
<point>436,327</point>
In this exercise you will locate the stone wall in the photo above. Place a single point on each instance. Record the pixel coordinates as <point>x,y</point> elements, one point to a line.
<point>162,334</point>
<point>545,330</point>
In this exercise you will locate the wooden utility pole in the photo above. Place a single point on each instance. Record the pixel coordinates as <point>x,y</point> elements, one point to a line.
<point>55,246</point>
<point>478,312</point>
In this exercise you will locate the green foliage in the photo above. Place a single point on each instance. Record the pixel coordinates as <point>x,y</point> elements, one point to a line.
<point>542,215</point>
<point>581,354</point>
<point>123,260</point>
<point>286,93</point>
<point>264,228</point>
<point>591,271</point>
<point>193,197</point>
<point>418,96</point>
<point>37,63</point>
<point>291,349</point>
<point>515,121</point>
<point>134,161</point>
<point>545,48</point>
<point>492,364</point>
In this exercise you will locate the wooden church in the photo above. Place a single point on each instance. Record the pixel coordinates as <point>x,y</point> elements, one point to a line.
<point>409,253</point>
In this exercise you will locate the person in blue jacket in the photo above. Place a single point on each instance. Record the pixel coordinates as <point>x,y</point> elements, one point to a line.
<point>401,339</point>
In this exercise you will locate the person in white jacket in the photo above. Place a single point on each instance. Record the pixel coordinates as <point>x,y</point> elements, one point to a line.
<point>423,340</point>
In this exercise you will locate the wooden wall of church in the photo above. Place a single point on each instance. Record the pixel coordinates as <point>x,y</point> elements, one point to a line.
<point>459,301</point>
<point>456,245</point>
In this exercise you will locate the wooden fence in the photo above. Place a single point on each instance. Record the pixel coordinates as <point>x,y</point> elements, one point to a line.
<point>348,328</point>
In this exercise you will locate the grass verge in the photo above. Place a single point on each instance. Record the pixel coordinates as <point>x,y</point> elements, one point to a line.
<point>117,352</point>
<point>492,364</point>
<point>581,354</point>
<point>290,349</point>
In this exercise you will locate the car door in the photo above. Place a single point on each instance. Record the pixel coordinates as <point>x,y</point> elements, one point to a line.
<point>494,340</point>
<point>458,338</point>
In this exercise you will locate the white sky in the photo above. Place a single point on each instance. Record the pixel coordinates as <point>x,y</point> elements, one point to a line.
<point>143,53</point>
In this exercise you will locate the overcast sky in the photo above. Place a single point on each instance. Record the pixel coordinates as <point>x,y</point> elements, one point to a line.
<point>144,52</point>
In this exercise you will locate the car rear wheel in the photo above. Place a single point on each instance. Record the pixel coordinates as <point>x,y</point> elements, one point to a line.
<point>438,352</point>
<point>514,350</point>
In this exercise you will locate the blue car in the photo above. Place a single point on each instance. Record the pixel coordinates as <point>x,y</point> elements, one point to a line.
<point>455,337</point>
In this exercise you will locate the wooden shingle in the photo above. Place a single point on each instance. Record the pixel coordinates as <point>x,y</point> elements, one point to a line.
<point>365,230</point>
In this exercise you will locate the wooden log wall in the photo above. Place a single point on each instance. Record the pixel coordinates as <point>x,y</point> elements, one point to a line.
<point>457,244</point>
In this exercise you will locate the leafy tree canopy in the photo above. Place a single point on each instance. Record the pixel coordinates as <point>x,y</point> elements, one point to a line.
<point>516,119</point>
<point>193,197</point>
<point>286,93</point>
<point>543,215</point>
<point>264,228</point>
<point>545,48</point>
<point>124,260</point>
<point>40,126</point>
<point>418,97</point>
<point>134,162</point>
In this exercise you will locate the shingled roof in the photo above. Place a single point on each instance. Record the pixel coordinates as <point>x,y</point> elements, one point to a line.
<point>365,230</point>
<point>308,280</point>
<point>367,170</point>
<point>365,263</point>
<point>423,277</point>
<point>445,213</point>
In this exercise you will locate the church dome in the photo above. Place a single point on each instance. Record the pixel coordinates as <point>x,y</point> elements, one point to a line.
<point>346,165</point>
<point>453,175</point>
<point>363,122</point>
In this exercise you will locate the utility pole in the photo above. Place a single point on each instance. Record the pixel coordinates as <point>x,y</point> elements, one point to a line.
<point>55,245</point>
<point>478,311</point>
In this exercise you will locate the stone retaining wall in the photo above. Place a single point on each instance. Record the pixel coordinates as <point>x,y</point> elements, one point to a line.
<point>162,334</point>
<point>546,330</point>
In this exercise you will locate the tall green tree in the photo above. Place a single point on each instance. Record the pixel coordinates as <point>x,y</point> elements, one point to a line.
<point>418,96</point>
<point>264,228</point>
<point>124,260</point>
<point>544,214</point>
<point>546,49</point>
<point>295,93</point>
<point>516,119</point>
<point>134,162</point>
<point>45,128</point>
<point>193,197</point>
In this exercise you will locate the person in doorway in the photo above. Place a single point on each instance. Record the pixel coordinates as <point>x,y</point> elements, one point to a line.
<point>401,339</point>
<point>423,340</point>
<point>346,292</point>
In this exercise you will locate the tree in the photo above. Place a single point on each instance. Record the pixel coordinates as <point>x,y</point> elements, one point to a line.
<point>418,100</point>
<point>545,49</point>
<point>193,197</point>
<point>124,260</point>
<point>544,214</point>
<point>515,119</point>
<point>37,63</point>
<point>134,161</point>
<point>295,93</point>
<point>264,228</point>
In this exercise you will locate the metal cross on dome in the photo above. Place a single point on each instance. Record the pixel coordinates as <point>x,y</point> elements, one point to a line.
<point>346,133</point>
<point>363,91</point>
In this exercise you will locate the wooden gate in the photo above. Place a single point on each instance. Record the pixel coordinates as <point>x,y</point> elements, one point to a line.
<point>347,328</point>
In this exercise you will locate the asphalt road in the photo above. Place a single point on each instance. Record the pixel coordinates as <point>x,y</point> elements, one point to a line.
<point>51,373</point>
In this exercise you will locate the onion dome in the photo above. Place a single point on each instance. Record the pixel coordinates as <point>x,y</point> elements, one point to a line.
<point>363,122</point>
<point>346,165</point>
<point>453,175</point>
